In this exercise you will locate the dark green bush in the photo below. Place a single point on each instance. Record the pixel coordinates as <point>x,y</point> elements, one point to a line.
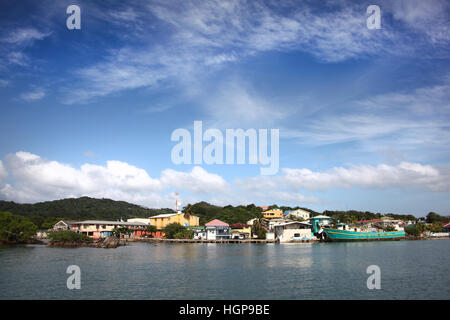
<point>68,236</point>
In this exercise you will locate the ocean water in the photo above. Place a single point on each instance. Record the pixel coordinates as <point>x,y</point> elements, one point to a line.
<point>409,270</point>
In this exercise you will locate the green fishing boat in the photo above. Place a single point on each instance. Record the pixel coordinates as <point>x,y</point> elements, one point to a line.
<point>348,235</point>
<point>327,229</point>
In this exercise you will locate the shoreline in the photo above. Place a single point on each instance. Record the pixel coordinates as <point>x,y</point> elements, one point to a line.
<point>124,242</point>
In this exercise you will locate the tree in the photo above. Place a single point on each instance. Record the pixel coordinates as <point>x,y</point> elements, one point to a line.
<point>188,212</point>
<point>184,234</point>
<point>15,229</point>
<point>433,217</point>
<point>121,231</point>
<point>172,229</point>
<point>152,230</point>
<point>258,228</point>
<point>68,236</point>
<point>436,227</point>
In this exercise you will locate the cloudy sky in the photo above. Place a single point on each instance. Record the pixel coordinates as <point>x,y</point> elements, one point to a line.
<point>363,114</point>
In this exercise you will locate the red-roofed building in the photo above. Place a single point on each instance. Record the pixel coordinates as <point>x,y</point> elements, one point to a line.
<point>217,230</point>
<point>446,226</point>
<point>216,223</point>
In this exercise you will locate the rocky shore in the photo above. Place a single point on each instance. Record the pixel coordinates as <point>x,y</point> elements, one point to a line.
<point>108,242</point>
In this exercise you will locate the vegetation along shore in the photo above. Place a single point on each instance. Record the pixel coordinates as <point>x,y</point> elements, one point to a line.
<point>25,223</point>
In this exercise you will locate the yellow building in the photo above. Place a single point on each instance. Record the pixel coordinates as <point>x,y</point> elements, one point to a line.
<point>162,220</point>
<point>241,230</point>
<point>273,214</point>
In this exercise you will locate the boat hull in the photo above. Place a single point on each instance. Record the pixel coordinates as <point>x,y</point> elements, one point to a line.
<point>346,235</point>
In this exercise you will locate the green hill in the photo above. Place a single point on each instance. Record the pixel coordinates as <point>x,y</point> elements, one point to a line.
<point>45,214</point>
<point>229,214</point>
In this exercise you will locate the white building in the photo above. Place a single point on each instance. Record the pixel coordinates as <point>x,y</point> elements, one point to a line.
<point>294,230</point>
<point>299,213</point>
<point>273,222</point>
<point>217,230</point>
<point>139,220</point>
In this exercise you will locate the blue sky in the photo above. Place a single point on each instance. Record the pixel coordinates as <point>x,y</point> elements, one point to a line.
<point>363,114</point>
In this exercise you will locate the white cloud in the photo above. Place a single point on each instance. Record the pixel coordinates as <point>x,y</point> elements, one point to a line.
<point>19,58</point>
<point>236,104</point>
<point>24,36</point>
<point>33,95</point>
<point>404,175</point>
<point>414,121</point>
<point>37,179</point>
<point>202,36</point>
<point>428,17</point>
<point>14,44</point>
<point>32,179</point>
<point>197,181</point>
<point>3,173</point>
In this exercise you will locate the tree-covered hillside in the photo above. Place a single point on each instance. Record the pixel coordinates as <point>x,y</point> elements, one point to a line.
<point>229,214</point>
<point>45,214</point>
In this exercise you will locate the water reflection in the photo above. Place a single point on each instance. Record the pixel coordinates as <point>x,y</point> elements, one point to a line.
<point>229,271</point>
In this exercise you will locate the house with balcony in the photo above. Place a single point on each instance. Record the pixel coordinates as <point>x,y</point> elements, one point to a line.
<point>100,229</point>
<point>217,230</point>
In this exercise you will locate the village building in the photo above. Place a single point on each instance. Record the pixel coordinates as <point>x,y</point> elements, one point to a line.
<point>292,231</point>
<point>199,232</point>
<point>383,223</point>
<point>100,229</point>
<point>162,220</point>
<point>273,214</point>
<point>240,231</point>
<point>62,225</point>
<point>447,227</point>
<point>273,222</point>
<point>298,213</point>
<point>217,230</point>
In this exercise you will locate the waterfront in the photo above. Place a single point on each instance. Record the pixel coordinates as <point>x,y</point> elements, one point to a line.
<point>409,270</point>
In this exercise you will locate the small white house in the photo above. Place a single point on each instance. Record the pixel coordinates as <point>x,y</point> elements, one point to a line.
<point>299,213</point>
<point>294,230</point>
<point>62,225</point>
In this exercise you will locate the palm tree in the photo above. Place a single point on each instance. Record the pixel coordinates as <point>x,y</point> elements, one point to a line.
<point>258,223</point>
<point>187,212</point>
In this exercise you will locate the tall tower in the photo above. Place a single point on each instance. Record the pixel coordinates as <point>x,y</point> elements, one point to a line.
<point>176,202</point>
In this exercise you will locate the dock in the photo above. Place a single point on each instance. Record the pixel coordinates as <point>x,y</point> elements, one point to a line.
<point>202,240</point>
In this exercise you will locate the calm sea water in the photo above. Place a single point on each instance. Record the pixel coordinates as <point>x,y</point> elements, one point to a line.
<point>409,270</point>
